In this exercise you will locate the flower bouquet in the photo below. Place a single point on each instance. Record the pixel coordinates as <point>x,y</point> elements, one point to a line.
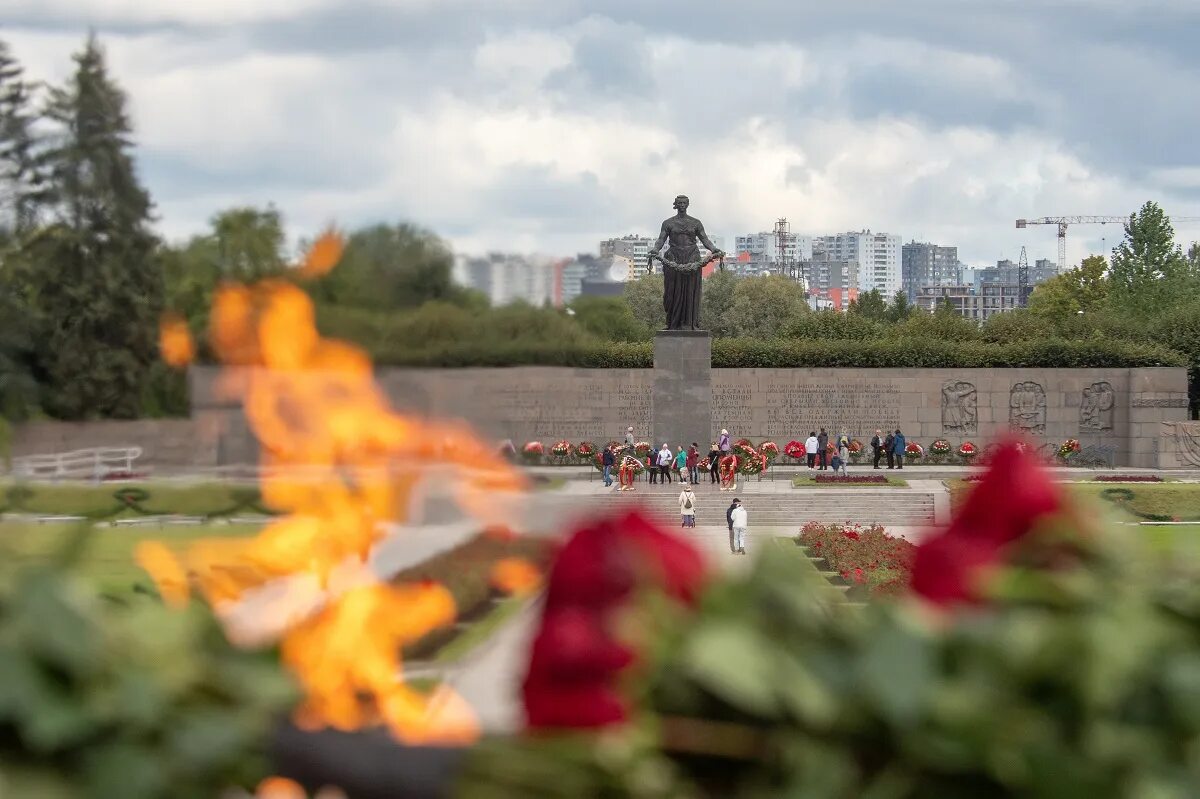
<point>939,450</point>
<point>967,452</point>
<point>913,451</point>
<point>795,449</point>
<point>769,450</point>
<point>704,464</point>
<point>1067,450</point>
<point>642,449</point>
<point>856,450</point>
<point>561,452</point>
<point>533,453</point>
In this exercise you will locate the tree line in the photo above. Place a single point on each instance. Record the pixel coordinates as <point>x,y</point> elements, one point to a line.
<point>84,280</point>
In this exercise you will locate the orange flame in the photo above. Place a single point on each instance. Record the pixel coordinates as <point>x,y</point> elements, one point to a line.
<point>175,340</point>
<point>516,576</point>
<point>338,463</point>
<point>323,255</point>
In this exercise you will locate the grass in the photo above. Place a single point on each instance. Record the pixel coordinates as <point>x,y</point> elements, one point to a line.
<point>97,500</point>
<point>1169,500</point>
<point>107,561</point>
<point>1172,540</point>
<point>806,481</point>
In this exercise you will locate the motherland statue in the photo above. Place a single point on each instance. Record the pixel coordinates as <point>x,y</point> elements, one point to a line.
<point>682,267</point>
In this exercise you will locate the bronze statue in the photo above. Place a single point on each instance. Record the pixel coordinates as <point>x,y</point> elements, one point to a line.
<point>682,267</point>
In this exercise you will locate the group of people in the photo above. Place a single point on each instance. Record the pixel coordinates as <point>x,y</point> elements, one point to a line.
<point>735,517</point>
<point>892,445</point>
<point>662,464</point>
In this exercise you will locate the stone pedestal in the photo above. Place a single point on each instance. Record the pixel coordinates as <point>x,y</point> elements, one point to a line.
<point>681,402</point>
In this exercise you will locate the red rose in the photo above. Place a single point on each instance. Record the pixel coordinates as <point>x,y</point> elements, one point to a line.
<point>1010,499</point>
<point>575,661</point>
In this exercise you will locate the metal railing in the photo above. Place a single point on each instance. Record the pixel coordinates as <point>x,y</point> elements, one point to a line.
<point>95,463</point>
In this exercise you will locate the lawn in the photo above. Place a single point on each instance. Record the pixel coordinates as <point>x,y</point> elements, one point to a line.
<point>107,561</point>
<point>806,481</point>
<point>100,500</point>
<point>1167,501</point>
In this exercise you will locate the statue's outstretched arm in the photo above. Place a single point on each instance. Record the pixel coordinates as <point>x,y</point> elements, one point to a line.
<point>700,234</point>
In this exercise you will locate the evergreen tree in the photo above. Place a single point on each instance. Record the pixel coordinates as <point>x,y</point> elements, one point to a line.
<point>870,305</point>
<point>1149,271</point>
<point>899,309</point>
<point>96,280</point>
<point>19,178</point>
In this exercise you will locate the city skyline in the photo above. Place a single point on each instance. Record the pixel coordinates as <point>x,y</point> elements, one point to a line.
<point>539,126</point>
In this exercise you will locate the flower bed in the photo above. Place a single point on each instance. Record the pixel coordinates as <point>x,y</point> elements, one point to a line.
<point>1127,478</point>
<point>865,556</point>
<point>853,478</point>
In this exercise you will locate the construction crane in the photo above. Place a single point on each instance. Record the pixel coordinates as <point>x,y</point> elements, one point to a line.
<point>1064,221</point>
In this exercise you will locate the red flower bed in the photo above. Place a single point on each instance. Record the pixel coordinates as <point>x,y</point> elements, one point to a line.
<point>864,478</point>
<point>862,555</point>
<point>1128,478</point>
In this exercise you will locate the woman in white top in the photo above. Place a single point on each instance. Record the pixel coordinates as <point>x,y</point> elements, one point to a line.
<point>811,445</point>
<point>687,506</point>
<point>738,517</point>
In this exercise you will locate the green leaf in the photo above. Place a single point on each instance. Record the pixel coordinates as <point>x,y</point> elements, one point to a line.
<point>734,662</point>
<point>896,671</point>
<point>53,621</point>
<point>125,770</point>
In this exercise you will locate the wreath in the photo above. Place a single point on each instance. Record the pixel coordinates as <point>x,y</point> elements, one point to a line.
<point>940,447</point>
<point>585,450</point>
<point>913,450</point>
<point>562,451</point>
<point>794,449</point>
<point>967,451</point>
<point>769,450</point>
<point>691,266</point>
<point>533,452</point>
<point>1068,449</point>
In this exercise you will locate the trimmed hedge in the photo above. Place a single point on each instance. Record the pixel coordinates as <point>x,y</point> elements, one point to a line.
<point>782,354</point>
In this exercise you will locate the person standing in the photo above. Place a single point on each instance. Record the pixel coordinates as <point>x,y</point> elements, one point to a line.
<point>898,445</point>
<point>723,442</point>
<point>739,519</point>
<point>652,467</point>
<point>665,459</point>
<point>729,521</point>
<point>714,462</point>
<point>810,449</point>
<point>887,448</point>
<point>693,459</point>
<point>681,465</point>
<point>629,442</point>
<point>687,506</point>
<point>823,449</point>
<point>608,459</point>
<point>877,448</point>
<point>843,450</point>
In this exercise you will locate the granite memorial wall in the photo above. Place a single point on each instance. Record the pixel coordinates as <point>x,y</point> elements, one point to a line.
<point>1127,409</point>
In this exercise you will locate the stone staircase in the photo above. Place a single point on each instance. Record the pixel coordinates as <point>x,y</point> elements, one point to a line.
<point>790,509</point>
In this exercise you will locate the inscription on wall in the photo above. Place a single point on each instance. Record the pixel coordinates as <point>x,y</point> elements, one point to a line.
<point>1143,402</point>
<point>588,410</point>
<point>859,407</point>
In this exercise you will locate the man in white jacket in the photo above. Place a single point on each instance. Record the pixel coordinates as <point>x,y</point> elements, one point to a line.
<point>665,460</point>
<point>738,516</point>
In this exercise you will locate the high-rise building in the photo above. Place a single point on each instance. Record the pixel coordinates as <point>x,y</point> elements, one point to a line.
<point>877,255</point>
<point>633,247</point>
<point>507,278</point>
<point>832,280</point>
<point>764,247</point>
<point>925,265</point>
<point>1006,273</point>
<point>994,298</point>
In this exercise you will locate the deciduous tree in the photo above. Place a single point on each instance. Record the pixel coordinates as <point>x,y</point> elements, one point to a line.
<point>1149,271</point>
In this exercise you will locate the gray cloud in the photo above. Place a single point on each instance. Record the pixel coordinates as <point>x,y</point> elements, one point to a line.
<point>547,124</point>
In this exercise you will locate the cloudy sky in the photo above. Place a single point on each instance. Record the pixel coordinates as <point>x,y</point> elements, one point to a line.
<point>545,125</point>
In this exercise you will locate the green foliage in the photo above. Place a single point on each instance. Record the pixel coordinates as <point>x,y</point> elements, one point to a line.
<point>248,243</point>
<point>93,274</point>
<point>609,318</point>
<point>1149,271</point>
<point>762,306</point>
<point>389,267</point>
<point>645,299</point>
<point>716,302</point>
<point>1083,289</point>
<point>20,178</point>
<point>943,324</point>
<point>870,305</point>
<point>903,353</point>
<point>899,308</point>
<point>833,325</point>
<point>100,699</point>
